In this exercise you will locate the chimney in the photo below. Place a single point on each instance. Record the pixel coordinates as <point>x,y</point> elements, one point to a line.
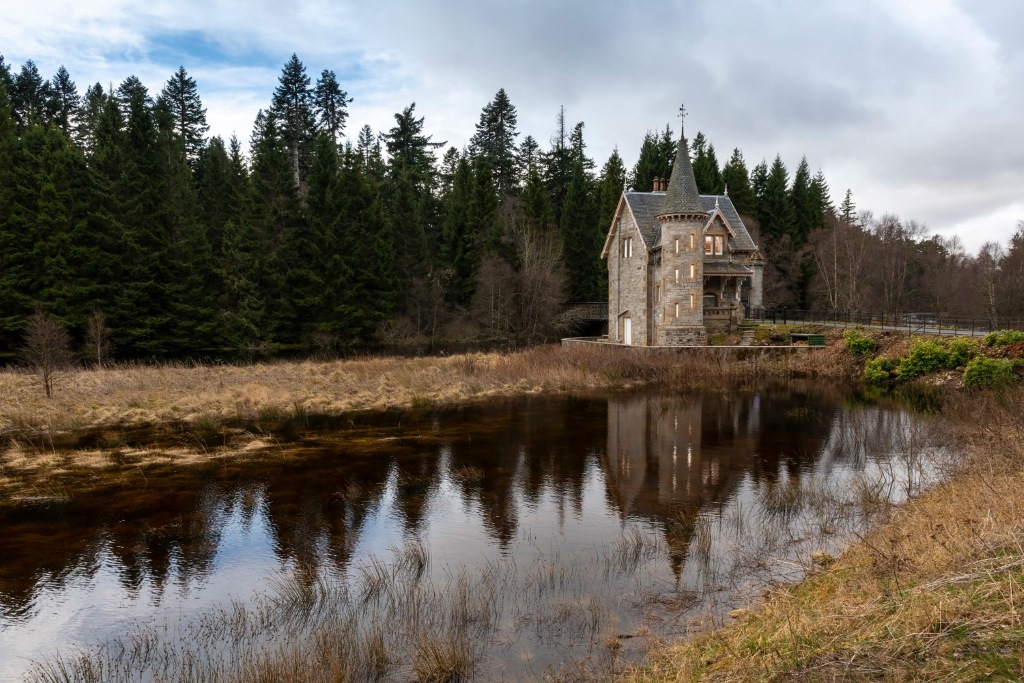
<point>657,185</point>
<point>664,184</point>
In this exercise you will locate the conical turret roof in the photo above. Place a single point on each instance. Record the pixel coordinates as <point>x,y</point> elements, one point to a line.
<point>682,195</point>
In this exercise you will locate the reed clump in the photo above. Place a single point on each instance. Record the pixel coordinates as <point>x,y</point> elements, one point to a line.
<point>935,593</point>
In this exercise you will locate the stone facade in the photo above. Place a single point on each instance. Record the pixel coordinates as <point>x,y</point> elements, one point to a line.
<point>679,264</point>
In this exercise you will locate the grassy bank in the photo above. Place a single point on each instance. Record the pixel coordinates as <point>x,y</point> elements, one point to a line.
<point>205,394</point>
<point>936,593</point>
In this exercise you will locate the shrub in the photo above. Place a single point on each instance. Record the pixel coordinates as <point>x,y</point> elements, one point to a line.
<point>989,373</point>
<point>1004,338</point>
<point>961,351</point>
<point>858,343</point>
<point>925,357</point>
<point>880,370</point>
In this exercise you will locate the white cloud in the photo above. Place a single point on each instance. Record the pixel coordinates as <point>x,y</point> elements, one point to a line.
<point>913,104</point>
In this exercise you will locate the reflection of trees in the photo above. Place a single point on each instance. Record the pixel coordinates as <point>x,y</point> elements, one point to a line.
<point>664,457</point>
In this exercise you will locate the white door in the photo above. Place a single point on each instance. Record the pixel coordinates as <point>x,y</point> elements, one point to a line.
<point>627,331</point>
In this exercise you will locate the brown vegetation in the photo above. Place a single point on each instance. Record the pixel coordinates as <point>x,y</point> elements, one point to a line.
<point>934,594</point>
<point>141,394</point>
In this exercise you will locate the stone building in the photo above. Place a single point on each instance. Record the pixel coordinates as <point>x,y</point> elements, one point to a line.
<point>680,264</point>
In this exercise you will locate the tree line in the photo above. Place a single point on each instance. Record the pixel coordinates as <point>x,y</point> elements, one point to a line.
<point>129,225</point>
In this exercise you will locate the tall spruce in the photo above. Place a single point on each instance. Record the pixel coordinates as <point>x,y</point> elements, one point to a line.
<point>578,228</point>
<point>705,166</point>
<point>557,166</point>
<point>459,252</point>
<point>181,95</point>
<point>65,101</point>
<point>805,212</point>
<point>331,104</point>
<point>776,208</point>
<point>292,108</point>
<point>736,181</point>
<point>495,138</point>
<point>848,209</point>
<point>30,96</point>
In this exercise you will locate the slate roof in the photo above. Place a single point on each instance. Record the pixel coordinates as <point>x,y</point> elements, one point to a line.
<point>647,205</point>
<point>682,195</point>
<point>725,268</point>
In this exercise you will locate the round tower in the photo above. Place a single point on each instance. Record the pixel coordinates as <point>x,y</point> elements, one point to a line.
<point>681,316</point>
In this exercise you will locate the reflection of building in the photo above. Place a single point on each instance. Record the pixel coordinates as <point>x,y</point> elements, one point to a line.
<point>657,449</point>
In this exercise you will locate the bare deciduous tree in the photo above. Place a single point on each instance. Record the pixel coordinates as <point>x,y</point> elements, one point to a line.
<point>97,336</point>
<point>47,348</point>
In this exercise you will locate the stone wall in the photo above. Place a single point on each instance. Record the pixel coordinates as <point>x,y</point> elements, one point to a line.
<point>627,283</point>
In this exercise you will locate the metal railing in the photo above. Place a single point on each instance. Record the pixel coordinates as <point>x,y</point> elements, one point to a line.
<point>920,323</point>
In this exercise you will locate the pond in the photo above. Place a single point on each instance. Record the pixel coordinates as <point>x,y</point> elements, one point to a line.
<point>516,539</point>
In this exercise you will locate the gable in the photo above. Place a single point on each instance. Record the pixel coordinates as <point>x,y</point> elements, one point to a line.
<point>625,212</point>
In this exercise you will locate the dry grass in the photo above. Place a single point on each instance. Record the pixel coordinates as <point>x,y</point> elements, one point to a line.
<point>934,594</point>
<point>214,394</point>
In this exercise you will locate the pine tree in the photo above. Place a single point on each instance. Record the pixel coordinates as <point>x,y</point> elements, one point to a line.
<point>495,138</point>
<point>613,180</point>
<point>6,78</point>
<point>538,214</point>
<point>776,209</point>
<point>578,231</point>
<point>758,184</point>
<point>736,182</point>
<point>89,114</point>
<point>331,104</point>
<point>805,217</point>
<point>528,156</point>
<point>848,209</point>
<point>459,251</point>
<point>705,167</point>
<point>292,110</point>
<point>558,167</point>
<point>64,101</point>
<point>655,160</point>
<point>30,95</point>
<point>181,95</point>
<point>821,199</point>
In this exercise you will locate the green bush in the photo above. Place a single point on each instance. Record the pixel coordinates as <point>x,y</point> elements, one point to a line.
<point>925,357</point>
<point>989,373</point>
<point>1004,338</point>
<point>961,351</point>
<point>880,370</point>
<point>857,343</point>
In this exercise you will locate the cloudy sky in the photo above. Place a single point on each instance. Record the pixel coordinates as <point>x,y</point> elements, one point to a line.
<point>916,105</point>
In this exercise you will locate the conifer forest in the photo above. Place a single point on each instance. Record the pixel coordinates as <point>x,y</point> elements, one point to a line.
<point>124,220</point>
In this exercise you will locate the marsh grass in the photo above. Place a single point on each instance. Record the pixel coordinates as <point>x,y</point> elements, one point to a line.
<point>932,593</point>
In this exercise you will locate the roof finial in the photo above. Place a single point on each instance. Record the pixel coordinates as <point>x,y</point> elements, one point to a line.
<point>716,201</point>
<point>727,189</point>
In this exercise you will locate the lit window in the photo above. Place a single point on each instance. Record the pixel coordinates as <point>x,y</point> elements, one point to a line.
<point>719,242</point>
<point>692,299</point>
<point>693,271</point>
<point>677,310</point>
<point>677,245</point>
<point>693,241</point>
<point>709,245</point>
<point>677,275</point>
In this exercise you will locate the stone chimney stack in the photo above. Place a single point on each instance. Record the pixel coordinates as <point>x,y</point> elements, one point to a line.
<point>657,185</point>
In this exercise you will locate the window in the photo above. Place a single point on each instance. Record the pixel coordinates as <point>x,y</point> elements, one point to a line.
<point>692,300</point>
<point>677,310</point>
<point>627,247</point>
<point>677,245</point>
<point>693,241</point>
<point>677,276</point>
<point>714,245</point>
<point>719,242</point>
<point>693,271</point>
<point>709,245</point>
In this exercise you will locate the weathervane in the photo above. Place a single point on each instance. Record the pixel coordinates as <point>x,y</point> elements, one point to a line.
<point>682,116</point>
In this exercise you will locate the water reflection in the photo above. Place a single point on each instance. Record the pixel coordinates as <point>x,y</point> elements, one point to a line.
<point>543,472</point>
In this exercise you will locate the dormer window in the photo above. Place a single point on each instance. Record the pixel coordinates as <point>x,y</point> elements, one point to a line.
<point>714,245</point>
